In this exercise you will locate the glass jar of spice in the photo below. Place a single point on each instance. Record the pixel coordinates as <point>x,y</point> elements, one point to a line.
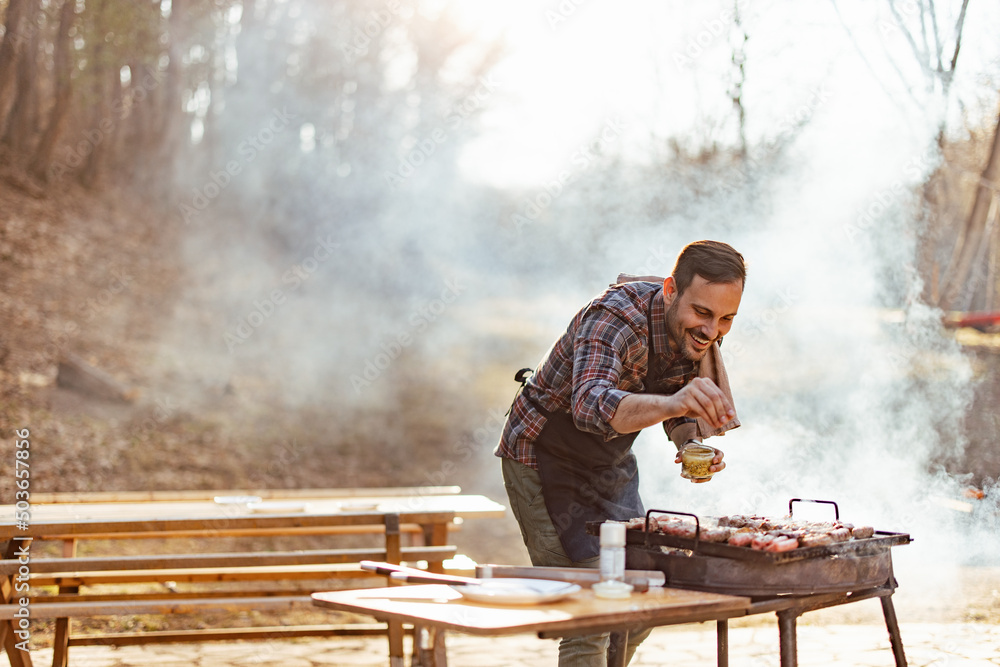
<point>696,459</point>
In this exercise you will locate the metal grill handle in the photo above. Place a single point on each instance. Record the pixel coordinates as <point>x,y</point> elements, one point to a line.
<point>836,510</point>
<point>697,525</point>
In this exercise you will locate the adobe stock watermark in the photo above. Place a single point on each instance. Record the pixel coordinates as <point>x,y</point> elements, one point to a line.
<point>90,310</point>
<point>711,30</point>
<point>377,21</point>
<point>777,482</point>
<point>248,150</point>
<point>900,8</point>
<point>164,409</point>
<point>563,12</point>
<point>280,461</point>
<point>656,263</point>
<point>485,435</point>
<point>759,324</point>
<point>27,29</point>
<point>885,200</point>
<point>419,319</point>
<point>74,155</point>
<point>424,148</point>
<point>533,206</point>
<point>789,123</point>
<point>266,306</point>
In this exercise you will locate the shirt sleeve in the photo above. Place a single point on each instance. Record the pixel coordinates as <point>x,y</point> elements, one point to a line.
<point>680,430</point>
<point>601,345</point>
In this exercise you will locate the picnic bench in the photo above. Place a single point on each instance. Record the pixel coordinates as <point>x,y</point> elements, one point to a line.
<point>397,525</point>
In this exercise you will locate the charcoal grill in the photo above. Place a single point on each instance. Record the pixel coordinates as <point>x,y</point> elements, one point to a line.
<point>788,583</point>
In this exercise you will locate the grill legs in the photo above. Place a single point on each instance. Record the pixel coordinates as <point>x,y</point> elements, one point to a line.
<point>894,638</point>
<point>722,642</point>
<point>787,639</point>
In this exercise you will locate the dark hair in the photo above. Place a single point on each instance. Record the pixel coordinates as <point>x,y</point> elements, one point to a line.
<point>714,261</point>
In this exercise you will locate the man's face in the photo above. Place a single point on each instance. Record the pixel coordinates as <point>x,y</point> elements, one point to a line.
<point>701,315</point>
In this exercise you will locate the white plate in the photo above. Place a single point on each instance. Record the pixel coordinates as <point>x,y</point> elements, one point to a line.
<point>517,591</point>
<point>359,506</point>
<point>236,500</point>
<point>278,507</point>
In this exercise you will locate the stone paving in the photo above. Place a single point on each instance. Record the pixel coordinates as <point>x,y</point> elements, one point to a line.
<point>756,645</point>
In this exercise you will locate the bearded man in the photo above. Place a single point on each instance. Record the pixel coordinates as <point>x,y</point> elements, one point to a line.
<point>644,352</point>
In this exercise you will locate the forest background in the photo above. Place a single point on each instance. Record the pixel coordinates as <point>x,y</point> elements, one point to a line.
<point>311,242</point>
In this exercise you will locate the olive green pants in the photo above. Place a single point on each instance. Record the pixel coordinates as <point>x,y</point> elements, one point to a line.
<point>524,491</point>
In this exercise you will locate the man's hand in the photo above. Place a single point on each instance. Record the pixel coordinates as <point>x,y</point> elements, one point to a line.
<point>702,398</point>
<point>717,464</point>
<point>699,398</point>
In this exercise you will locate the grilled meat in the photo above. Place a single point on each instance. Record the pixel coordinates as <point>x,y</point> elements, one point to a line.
<point>757,532</point>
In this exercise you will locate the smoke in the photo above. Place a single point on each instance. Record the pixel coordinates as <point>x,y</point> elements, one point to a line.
<point>847,384</point>
<point>353,240</point>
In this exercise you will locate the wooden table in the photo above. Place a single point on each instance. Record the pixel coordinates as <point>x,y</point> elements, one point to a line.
<point>429,515</point>
<point>321,515</point>
<point>440,608</point>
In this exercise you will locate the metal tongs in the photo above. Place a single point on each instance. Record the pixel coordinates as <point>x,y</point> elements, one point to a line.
<point>641,580</point>
<point>412,575</point>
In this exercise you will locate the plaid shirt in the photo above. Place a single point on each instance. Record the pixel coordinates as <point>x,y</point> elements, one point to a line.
<point>600,359</point>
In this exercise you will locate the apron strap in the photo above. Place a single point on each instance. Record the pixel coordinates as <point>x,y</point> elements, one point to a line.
<point>522,377</point>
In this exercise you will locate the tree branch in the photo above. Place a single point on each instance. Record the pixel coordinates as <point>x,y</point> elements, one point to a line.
<point>921,57</point>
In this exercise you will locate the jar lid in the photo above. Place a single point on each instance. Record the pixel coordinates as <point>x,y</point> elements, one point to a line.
<point>613,534</point>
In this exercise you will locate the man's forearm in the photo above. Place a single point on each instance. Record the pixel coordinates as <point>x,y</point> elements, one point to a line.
<point>637,411</point>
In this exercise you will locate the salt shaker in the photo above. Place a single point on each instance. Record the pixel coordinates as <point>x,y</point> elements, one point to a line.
<point>612,584</point>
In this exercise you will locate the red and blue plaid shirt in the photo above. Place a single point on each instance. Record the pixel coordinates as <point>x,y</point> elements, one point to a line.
<point>600,359</point>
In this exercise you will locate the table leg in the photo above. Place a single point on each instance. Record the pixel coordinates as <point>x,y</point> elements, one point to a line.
<point>436,536</point>
<point>895,640</point>
<point>397,657</point>
<point>17,657</point>
<point>618,648</point>
<point>421,647</point>
<point>60,643</point>
<point>786,638</point>
<point>439,654</point>
<point>722,642</point>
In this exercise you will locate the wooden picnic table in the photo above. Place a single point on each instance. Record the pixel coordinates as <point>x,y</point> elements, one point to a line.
<point>439,608</point>
<point>303,514</point>
<point>429,515</point>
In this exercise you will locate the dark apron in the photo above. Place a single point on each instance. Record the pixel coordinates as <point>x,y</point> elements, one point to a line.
<point>587,478</point>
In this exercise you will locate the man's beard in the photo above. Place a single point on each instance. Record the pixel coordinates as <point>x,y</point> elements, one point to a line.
<point>679,338</point>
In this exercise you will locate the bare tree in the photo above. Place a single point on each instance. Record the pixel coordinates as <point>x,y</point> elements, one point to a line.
<point>24,110</point>
<point>973,238</point>
<point>63,92</point>
<point>739,58</point>
<point>18,15</point>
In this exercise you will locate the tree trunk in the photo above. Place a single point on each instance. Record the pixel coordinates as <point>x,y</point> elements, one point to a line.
<point>171,131</point>
<point>113,140</point>
<point>140,125</point>
<point>10,50</point>
<point>21,119</point>
<point>63,93</point>
<point>972,236</point>
<point>144,97</point>
<point>95,137</point>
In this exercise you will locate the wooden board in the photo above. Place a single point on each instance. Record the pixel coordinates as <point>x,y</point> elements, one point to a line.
<point>184,606</point>
<point>10,566</point>
<point>156,518</point>
<point>266,494</point>
<point>440,606</point>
